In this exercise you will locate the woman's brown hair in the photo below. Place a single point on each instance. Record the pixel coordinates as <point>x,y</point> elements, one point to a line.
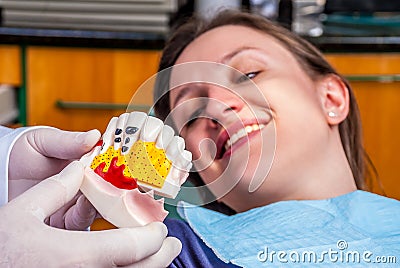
<point>310,58</point>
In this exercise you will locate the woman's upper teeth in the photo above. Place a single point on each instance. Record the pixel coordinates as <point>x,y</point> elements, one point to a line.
<point>242,133</point>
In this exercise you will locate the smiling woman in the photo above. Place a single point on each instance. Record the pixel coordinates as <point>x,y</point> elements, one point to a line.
<point>267,120</point>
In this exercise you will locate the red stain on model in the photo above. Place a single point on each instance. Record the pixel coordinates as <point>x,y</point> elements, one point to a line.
<point>115,175</point>
<point>99,143</point>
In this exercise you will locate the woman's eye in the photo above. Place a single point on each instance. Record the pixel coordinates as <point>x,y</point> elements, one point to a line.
<point>246,77</point>
<point>193,117</point>
<point>252,75</point>
<point>191,121</point>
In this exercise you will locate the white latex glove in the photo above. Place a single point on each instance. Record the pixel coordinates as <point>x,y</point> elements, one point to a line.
<point>43,152</point>
<point>26,241</point>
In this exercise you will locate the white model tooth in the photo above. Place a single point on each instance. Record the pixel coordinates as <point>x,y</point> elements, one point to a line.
<point>88,158</point>
<point>183,178</point>
<point>165,137</point>
<point>182,161</point>
<point>184,164</point>
<point>175,175</point>
<point>188,157</point>
<point>189,167</point>
<point>109,134</point>
<point>132,129</point>
<point>175,148</point>
<point>152,127</point>
<point>119,131</point>
<point>255,127</point>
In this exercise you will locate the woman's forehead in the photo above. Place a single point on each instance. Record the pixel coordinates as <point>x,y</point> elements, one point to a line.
<point>216,44</point>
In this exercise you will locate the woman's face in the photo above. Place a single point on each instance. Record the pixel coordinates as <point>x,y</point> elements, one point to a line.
<point>282,117</point>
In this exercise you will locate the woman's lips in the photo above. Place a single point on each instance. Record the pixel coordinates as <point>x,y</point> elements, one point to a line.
<point>240,133</point>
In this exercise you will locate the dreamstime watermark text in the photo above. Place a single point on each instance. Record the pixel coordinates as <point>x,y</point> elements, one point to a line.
<point>340,254</point>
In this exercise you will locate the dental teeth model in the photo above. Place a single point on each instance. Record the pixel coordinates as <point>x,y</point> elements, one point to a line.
<point>136,152</point>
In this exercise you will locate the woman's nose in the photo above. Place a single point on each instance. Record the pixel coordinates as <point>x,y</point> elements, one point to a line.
<point>223,105</point>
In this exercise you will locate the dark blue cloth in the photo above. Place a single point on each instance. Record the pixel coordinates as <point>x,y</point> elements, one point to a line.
<point>194,252</point>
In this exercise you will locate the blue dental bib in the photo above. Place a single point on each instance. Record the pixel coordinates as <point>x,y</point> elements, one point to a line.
<point>357,229</point>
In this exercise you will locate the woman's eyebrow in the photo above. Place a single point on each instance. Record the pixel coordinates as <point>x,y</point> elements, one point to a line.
<point>236,52</point>
<point>224,60</point>
<point>181,94</point>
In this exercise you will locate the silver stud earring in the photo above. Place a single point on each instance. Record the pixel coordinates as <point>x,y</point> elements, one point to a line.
<point>332,114</point>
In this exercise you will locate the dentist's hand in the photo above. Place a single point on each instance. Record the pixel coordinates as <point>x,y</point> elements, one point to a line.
<point>42,152</point>
<point>26,241</point>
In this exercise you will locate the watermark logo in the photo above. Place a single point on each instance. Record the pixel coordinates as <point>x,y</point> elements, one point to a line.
<point>340,254</point>
<point>342,244</point>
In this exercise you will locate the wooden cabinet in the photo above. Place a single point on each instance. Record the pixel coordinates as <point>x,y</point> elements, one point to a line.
<point>10,65</point>
<point>375,79</point>
<point>89,83</point>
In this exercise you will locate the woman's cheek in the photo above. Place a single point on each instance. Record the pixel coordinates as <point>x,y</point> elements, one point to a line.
<point>203,151</point>
<point>194,150</point>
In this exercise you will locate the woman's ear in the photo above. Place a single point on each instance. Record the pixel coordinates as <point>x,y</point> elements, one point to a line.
<point>334,96</point>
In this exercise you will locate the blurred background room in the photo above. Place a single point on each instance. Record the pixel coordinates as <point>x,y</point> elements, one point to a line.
<point>73,64</point>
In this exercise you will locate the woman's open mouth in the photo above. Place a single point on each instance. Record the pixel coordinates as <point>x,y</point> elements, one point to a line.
<point>241,133</point>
